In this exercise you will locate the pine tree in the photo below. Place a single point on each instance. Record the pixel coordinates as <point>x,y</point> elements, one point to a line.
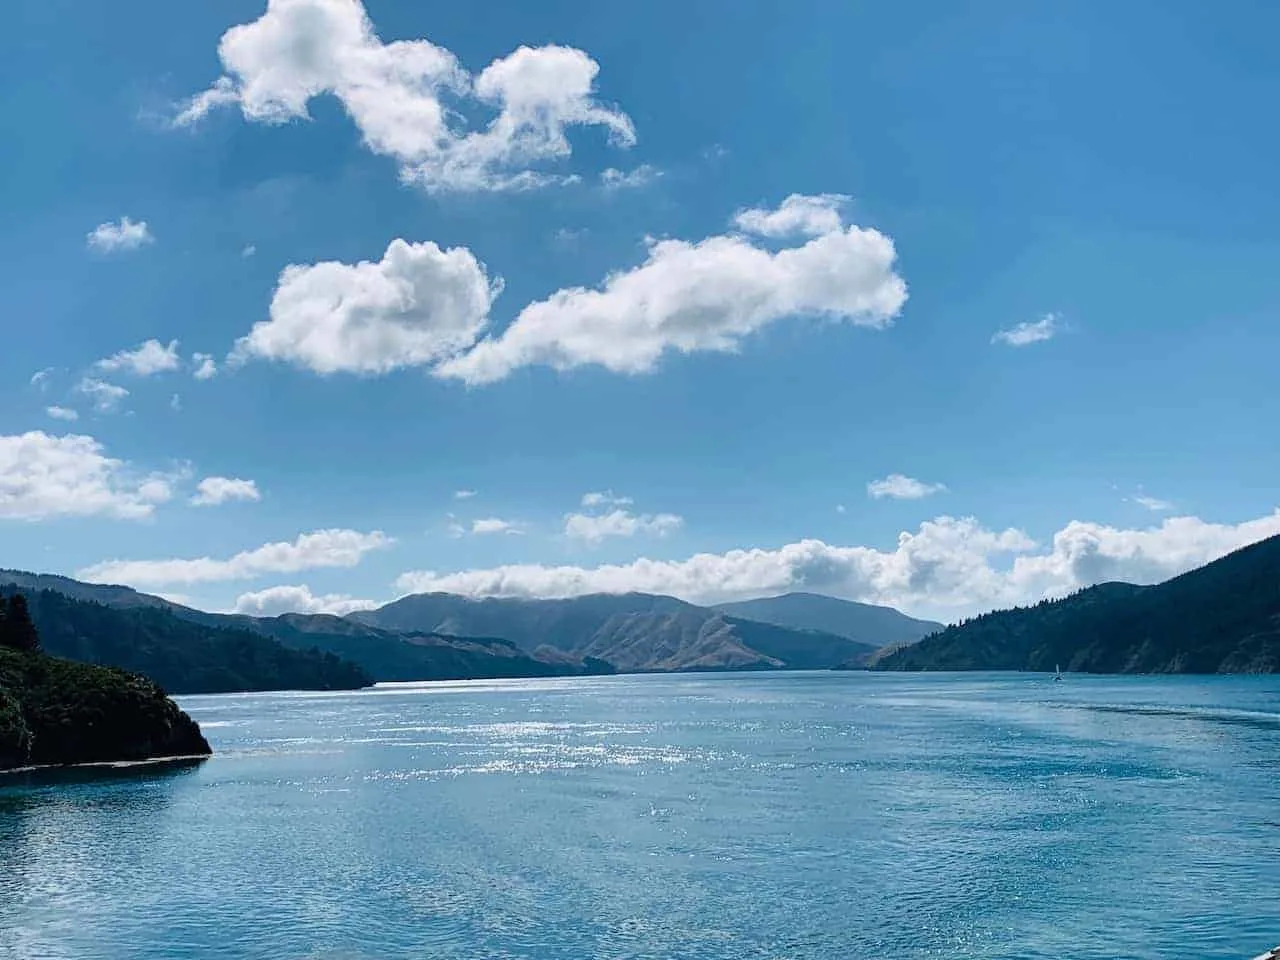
<point>16,630</point>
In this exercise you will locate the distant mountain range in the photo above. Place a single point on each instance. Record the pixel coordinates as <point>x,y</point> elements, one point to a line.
<point>1221,618</point>
<point>444,636</point>
<point>633,631</point>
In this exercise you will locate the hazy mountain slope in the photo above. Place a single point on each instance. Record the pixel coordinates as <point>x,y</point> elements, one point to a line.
<point>632,631</point>
<point>864,622</point>
<point>1221,618</point>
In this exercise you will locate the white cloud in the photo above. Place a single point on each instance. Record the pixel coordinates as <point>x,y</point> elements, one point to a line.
<point>605,498</point>
<point>899,487</point>
<point>205,366</point>
<point>1028,332</point>
<point>124,234</point>
<point>799,215</point>
<point>274,601</point>
<point>175,403</point>
<point>949,567</point>
<point>43,476</point>
<point>463,494</point>
<point>593,528</point>
<point>1154,504</point>
<point>61,413</point>
<point>212,491</point>
<point>689,297</point>
<point>415,306</point>
<point>41,377</point>
<point>146,359</point>
<point>839,508</point>
<point>321,548</point>
<point>614,179</point>
<point>301,49</point>
<point>248,251</point>
<point>106,396</point>
<point>489,525</point>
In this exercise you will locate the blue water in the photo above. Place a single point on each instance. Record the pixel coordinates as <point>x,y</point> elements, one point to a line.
<point>769,816</point>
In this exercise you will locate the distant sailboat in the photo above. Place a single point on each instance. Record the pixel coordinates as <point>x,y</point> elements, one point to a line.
<point>1057,673</point>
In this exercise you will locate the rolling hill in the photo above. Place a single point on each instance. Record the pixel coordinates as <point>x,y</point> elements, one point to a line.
<point>1220,618</point>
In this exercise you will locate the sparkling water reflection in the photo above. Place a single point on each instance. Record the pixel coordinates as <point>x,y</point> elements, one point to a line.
<point>729,817</point>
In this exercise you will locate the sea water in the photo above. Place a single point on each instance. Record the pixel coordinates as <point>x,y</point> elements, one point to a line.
<point>704,817</point>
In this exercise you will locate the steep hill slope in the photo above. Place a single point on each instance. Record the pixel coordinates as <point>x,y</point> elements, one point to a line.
<point>631,631</point>
<point>181,656</point>
<point>1221,618</point>
<point>864,622</point>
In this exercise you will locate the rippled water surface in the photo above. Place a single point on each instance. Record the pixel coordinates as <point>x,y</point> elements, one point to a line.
<point>729,817</point>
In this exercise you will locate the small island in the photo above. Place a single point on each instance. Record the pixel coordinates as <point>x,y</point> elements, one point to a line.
<point>59,712</point>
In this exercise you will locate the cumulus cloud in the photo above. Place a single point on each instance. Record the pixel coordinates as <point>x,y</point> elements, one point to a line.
<point>1029,332</point>
<point>415,306</point>
<point>798,215</point>
<point>593,528</point>
<point>119,236</point>
<point>43,476</point>
<point>896,486</point>
<point>321,548</point>
<point>614,179</point>
<point>106,397</point>
<point>396,95</point>
<point>690,297</point>
<point>274,601</point>
<point>205,367</point>
<point>212,491</point>
<point>147,358</point>
<point>949,567</point>
<point>61,413</point>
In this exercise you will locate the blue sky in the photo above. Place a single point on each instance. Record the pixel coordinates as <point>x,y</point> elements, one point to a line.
<point>947,307</point>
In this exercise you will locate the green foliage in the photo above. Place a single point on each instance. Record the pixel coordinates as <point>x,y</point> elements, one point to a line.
<point>15,737</point>
<point>17,632</point>
<point>1221,618</point>
<point>182,656</point>
<point>55,711</point>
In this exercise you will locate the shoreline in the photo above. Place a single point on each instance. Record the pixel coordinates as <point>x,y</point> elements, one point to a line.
<point>185,758</point>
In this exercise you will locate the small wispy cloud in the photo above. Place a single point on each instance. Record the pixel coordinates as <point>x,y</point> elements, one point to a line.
<point>464,494</point>
<point>106,396</point>
<point>897,486</point>
<point>118,236</point>
<point>641,176</point>
<point>147,358</point>
<point>605,498</point>
<point>1030,331</point>
<point>489,525</point>
<point>1154,504</point>
<point>61,413</point>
